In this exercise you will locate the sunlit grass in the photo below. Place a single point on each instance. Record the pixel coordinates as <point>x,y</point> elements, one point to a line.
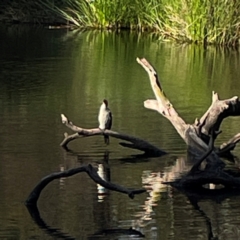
<point>198,21</point>
<point>193,21</point>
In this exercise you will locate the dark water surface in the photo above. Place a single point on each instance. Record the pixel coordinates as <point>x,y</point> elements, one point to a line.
<point>44,73</point>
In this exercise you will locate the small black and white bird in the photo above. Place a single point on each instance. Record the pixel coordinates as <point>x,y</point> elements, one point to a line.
<point>105,119</point>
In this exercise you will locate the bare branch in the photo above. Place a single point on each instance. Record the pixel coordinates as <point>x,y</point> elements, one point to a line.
<point>218,110</point>
<point>225,148</point>
<point>136,143</point>
<point>79,130</point>
<point>152,104</point>
<point>34,195</point>
<point>199,136</point>
<point>162,103</point>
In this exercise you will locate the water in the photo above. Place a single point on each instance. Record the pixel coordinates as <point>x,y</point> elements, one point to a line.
<point>44,73</point>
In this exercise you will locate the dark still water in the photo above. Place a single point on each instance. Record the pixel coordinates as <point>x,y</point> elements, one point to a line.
<point>44,73</point>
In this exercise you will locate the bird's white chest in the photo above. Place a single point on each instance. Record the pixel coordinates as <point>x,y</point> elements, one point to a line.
<point>103,117</point>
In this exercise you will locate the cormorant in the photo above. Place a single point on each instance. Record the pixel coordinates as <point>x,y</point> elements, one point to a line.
<point>105,119</point>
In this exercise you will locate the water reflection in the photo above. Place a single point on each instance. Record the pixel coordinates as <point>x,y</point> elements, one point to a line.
<point>58,234</point>
<point>105,173</point>
<point>114,233</point>
<point>153,182</point>
<point>45,73</point>
<point>54,232</point>
<point>145,222</point>
<point>101,188</point>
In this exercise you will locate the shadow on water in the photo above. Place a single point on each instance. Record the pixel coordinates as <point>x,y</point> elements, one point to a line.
<point>104,173</point>
<point>57,233</point>
<point>217,196</point>
<point>153,183</point>
<point>54,232</point>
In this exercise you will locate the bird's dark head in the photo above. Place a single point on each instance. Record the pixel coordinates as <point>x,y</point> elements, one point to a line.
<point>105,102</point>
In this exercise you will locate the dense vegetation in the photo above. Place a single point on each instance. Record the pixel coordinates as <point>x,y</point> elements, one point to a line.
<point>199,21</point>
<point>25,11</point>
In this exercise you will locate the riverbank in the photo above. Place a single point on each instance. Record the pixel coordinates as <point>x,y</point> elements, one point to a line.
<point>198,21</point>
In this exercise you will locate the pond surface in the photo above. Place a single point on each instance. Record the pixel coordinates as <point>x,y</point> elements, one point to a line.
<point>44,73</point>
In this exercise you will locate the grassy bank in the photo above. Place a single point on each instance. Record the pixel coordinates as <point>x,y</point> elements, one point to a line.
<point>198,21</point>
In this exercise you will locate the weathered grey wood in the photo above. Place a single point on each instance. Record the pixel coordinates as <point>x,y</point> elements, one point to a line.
<point>135,143</point>
<point>198,135</point>
<point>218,110</point>
<point>195,135</point>
<point>225,148</point>
<point>162,104</point>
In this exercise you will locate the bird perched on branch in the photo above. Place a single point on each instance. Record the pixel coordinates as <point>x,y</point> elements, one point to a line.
<point>105,119</point>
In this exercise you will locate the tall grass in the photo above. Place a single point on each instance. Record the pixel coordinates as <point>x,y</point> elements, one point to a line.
<point>199,21</point>
<point>92,14</point>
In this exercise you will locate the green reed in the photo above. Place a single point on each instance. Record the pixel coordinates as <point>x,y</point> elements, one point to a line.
<point>198,21</point>
<point>90,13</point>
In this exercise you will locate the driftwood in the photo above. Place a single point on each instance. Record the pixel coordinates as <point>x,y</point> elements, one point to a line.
<point>206,166</point>
<point>195,135</point>
<point>136,143</point>
<point>199,136</point>
<point>91,171</point>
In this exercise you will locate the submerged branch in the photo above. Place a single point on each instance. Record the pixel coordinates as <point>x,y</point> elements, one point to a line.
<point>136,143</point>
<point>201,178</point>
<point>34,195</point>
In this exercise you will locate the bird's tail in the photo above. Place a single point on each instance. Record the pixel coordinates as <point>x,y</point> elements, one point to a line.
<point>106,139</point>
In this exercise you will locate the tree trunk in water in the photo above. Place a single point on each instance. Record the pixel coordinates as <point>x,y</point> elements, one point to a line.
<point>200,136</point>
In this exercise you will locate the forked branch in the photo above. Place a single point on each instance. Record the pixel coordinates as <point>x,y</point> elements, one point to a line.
<point>213,118</point>
<point>162,104</point>
<point>198,134</point>
<point>218,110</point>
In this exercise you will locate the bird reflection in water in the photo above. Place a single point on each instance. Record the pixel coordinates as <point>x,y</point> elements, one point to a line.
<point>62,179</point>
<point>104,172</point>
<point>100,189</point>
